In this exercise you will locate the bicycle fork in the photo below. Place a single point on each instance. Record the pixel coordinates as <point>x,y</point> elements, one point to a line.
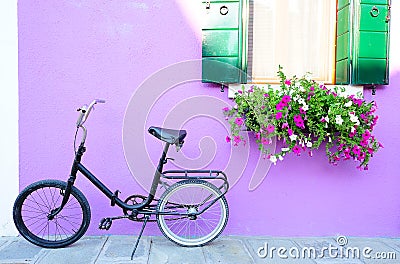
<point>70,183</point>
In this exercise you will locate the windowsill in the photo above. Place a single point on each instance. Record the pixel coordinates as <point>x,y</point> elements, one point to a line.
<point>350,89</point>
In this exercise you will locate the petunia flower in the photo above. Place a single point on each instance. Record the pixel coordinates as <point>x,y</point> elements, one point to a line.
<point>288,82</point>
<point>237,140</point>
<point>239,121</point>
<point>278,115</point>
<point>286,99</point>
<point>225,109</point>
<point>270,128</point>
<point>228,139</point>
<point>297,150</point>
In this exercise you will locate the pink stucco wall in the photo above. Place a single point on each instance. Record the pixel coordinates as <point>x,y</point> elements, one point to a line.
<point>72,51</point>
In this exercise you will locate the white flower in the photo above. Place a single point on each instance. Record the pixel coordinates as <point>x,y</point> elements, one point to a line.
<point>354,119</point>
<point>235,106</point>
<point>330,140</point>
<point>339,119</point>
<point>309,144</point>
<point>348,104</point>
<point>305,107</point>
<point>285,149</point>
<point>353,129</point>
<point>273,159</point>
<point>301,101</point>
<point>301,89</point>
<point>293,137</point>
<point>326,119</point>
<point>280,157</point>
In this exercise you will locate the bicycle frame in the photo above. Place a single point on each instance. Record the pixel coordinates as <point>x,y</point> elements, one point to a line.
<point>113,196</point>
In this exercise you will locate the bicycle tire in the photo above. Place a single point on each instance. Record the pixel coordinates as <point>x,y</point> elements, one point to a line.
<point>36,201</point>
<point>200,230</point>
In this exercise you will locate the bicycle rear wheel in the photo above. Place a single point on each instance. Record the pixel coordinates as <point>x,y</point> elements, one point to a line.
<point>192,196</point>
<point>35,203</point>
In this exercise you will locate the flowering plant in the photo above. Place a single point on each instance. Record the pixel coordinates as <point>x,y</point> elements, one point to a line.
<point>304,114</point>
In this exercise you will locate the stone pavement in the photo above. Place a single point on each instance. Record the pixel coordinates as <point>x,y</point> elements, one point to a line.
<point>225,249</point>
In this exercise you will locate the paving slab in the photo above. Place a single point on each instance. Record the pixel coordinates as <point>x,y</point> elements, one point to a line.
<point>227,250</point>
<point>376,250</point>
<point>118,249</point>
<point>164,251</point>
<point>86,250</point>
<point>18,251</point>
<point>265,250</point>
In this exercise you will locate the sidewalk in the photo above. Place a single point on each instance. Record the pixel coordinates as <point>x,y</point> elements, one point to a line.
<point>225,249</point>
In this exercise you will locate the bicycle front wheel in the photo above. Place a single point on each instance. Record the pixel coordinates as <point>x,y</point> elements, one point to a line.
<point>33,206</point>
<point>178,205</point>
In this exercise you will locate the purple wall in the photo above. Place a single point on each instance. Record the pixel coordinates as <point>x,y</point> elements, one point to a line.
<point>73,51</point>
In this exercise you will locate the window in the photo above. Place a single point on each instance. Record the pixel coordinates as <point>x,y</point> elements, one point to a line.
<point>342,42</point>
<point>299,35</point>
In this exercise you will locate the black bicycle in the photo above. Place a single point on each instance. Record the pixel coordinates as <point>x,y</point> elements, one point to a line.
<point>191,211</point>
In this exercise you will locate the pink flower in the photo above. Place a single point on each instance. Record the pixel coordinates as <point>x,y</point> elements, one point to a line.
<point>236,139</point>
<point>280,106</point>
<point>258,136</point>
<point>288,82</point>
<point>266,95</point>
<point>226,109</point>
<point>270,128</point>
<point>285,125</point>
<point>278,115</point>
<point>302,111</point>
<point>296,149</point>
<point>312,88</point>
<point>364,143</point>
<point>356,150</point>
<point>285,99</point>
<point>239,121</point>
<point>240,91</point>
<point>263,107</point>
<point>366,135</point>
<point>264,141</point>
<point>290,132</point>
<point>228,139</point>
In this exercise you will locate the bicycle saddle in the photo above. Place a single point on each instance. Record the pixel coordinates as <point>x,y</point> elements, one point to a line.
<point>170,136</point>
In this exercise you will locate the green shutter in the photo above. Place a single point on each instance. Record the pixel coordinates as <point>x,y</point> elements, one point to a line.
<point>362,44</point>
<point>224,38</point>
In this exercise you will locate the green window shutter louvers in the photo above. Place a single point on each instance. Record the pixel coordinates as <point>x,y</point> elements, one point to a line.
<point>362,42</point>
<point>224,41</point>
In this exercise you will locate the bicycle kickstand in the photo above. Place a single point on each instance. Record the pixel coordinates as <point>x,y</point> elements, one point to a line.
<point>146,218</point>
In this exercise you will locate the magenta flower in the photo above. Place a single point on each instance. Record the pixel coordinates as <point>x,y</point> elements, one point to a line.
<point>263,107</point>
<point>226,109</point>
<point>228,139</point>
<point>266,95</point>
<point>286,99</point>
<point>264,141</point>
<point>297,150</point>
<point>288,82</point>
<point>297,118</point>
<point>312,88</point>
<point>285,125</point>
<point>366,135</point>
<point>239,121</point>
<point>258,136</point>
<point>240,91</point>
<point>270,128</point>
<point>356,150</point>
<point>302,111</point>
<point>280,106</point>
<point>237,140</point>
<point>290,132</point>
<point>278,115</point>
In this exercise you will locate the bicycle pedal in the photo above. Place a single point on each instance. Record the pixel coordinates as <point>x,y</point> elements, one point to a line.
<point>105,223</point>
